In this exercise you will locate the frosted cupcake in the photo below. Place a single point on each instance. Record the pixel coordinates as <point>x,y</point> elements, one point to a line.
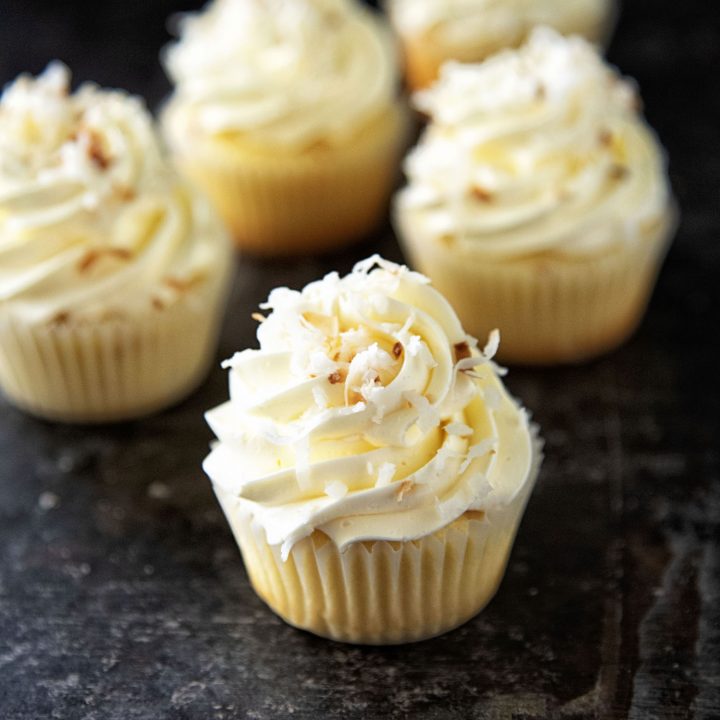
<point>286,112</point>
<point>370,463</point>
<point>538,200</point>
<point>435,31</point>
<point>112,271</point>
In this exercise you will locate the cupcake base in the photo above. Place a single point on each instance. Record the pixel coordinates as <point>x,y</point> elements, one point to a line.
<point>381,592</point>
<point>549,309</point>
<point>113,369</point>
<point>286,202</point>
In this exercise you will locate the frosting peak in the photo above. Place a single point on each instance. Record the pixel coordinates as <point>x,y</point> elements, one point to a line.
<point>283,71</point>
<point>535,149</point>
<point>367,413</point>
<point>90,210</point>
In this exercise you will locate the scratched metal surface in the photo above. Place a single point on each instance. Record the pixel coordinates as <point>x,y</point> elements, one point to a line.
<point>122,594</point>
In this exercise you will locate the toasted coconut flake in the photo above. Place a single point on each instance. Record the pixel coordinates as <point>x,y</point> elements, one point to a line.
<point>96,151</point>
<point>124,193</point>
<point>182,285</point>
<point>605,138</point>
<point>336,490</point>
<point>462,351</point>
<point>482,194</point>
<point>91,257</point>
<point>406,487</point>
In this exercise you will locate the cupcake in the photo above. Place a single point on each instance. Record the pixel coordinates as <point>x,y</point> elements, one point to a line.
<point>113,271</point>
<point>538,200</point>
<point>370,462</point>
<point>434,31</point>
<point>286,112</point>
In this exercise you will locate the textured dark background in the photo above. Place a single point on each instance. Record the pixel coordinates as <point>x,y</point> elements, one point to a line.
<point>123,596</point>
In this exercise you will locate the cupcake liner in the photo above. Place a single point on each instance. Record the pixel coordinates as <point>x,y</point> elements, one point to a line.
<point>290,203</point>
<point>548,308</point>
<point>104,370</point>
<point>381,592</point>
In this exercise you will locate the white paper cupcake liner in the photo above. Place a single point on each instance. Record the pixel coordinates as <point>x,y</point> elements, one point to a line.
<point>382,592</point>
<point>549,309</point>
<point>291,203</point>
<point>89,371</point>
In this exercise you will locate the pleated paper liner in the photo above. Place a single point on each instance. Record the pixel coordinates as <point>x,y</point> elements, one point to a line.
<point>382,592</point>
<point>548,308</point>
<point>111,369</point>
<point>292,202</point>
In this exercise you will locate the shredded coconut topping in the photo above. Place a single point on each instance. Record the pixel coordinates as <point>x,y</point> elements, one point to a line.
<point>357,388</point>
<point>94,220</point>
<point>536,149</point>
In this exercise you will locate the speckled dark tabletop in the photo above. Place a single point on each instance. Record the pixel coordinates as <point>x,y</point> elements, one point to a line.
<point>122,594</point>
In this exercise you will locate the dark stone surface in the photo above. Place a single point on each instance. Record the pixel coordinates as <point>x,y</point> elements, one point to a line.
<point>122,594</point>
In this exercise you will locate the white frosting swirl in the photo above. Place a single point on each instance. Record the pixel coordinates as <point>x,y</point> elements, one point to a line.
<point>282,71</point>
<point>367,413</point>
<point>539,149</point>
<point>92,217</point>
<point>500,22</point>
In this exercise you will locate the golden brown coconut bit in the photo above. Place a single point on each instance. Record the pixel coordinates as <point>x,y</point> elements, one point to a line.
<point>462,351</point>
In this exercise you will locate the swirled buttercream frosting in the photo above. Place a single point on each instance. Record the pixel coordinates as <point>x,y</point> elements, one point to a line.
<point>281,71</point>
<point>367,413</point>
<point>535,150</point>
<point>93,219</point>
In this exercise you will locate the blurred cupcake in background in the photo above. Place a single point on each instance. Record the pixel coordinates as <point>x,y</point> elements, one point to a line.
<point>434,31</point>
<point>286,112</point>
<point>538,200</point>
<point>113,271</point>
